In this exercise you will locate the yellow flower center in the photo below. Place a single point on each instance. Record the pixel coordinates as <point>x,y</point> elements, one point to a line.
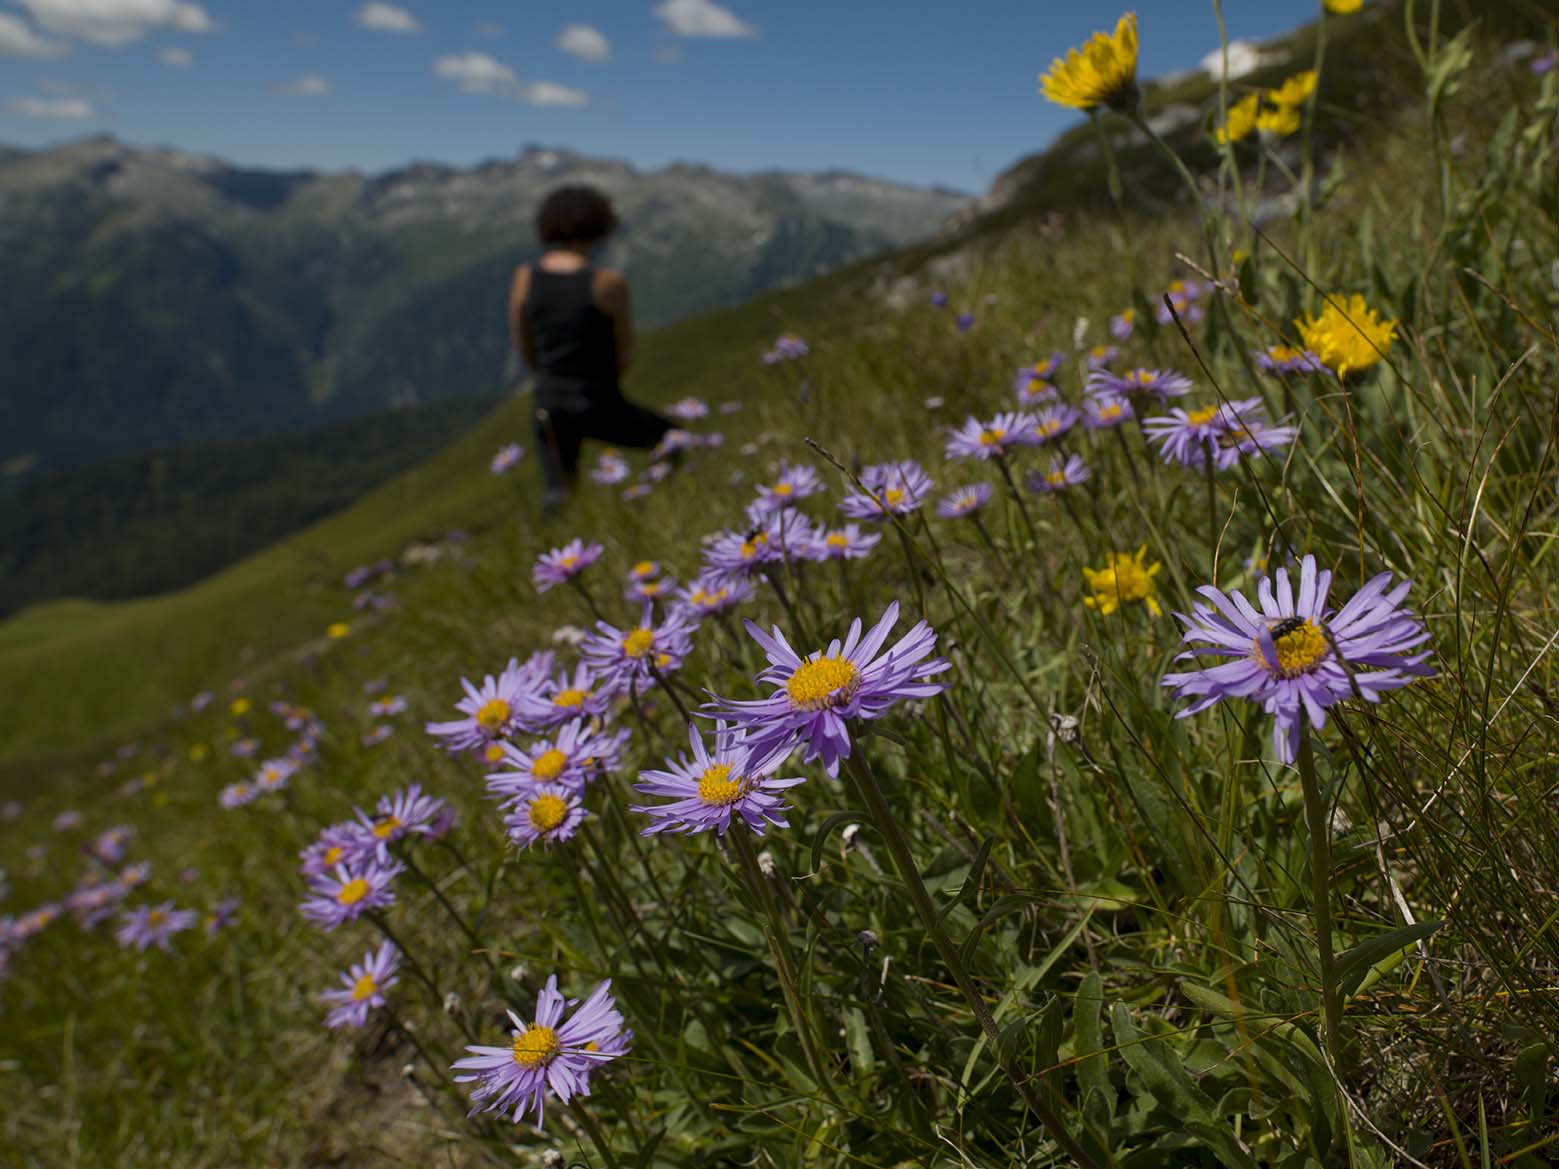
<point>662,661</point>
<point>494,753</point>
<point>1201,417</point>
<point>1284,353</point>
<point>644,568</point>
<point>549,764</point>
<point>352,892</point>
<point>638,643</point>
<point>893,496</point>
<point>571,699</point>
<point>492,716</point>
<point>536,1046</point>
<point>1299,648</point>
<point>1056,478</point>
<point>1107,411</point>
<point>837,540</point>
<point>363,988</point>
<point>1140,377</point>
<point>822,682</point>
<point>156,917</point>
<point>716,786</point>
<point>333,854</point>
<point>568,562</point>
<point>386,826</point>
<point>783,489</point>
<point>547,812</point>
<point>993,436</point>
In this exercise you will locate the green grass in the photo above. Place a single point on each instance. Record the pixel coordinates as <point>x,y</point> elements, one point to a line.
<point>1134,899</point>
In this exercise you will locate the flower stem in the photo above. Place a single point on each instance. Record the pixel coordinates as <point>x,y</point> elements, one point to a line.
<point>1321,895</point>
<point>588,1122</point>
<point>865,784</point>
<point>1017,500</point>
<point>784,958</point>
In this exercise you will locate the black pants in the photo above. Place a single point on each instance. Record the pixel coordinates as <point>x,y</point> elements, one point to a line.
<point>561,428</point>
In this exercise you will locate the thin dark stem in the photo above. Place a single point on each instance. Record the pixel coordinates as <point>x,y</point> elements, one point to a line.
<point>1319,822</point>
<point>865,784</point>
<point>588,1122</point>
<point>1017,500</point>
<point>477,944</point>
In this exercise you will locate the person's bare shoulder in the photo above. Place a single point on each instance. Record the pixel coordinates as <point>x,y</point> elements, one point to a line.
<point>610,288</point>
<point>520,285</point>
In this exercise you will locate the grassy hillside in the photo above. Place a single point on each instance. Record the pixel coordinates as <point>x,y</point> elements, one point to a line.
<point>1047,913</point>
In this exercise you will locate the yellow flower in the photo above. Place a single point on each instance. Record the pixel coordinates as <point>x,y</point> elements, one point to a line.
<point>1342,7</point>
<point>1348,336</point>
<point>1102,73</point>
<point>1295,91</point>
<point>1279,122</point>
<point>239,707</point>
<point>1123,578</point>
<point>1241,121</point>
<point>198,752</point>
<point>337,630</point>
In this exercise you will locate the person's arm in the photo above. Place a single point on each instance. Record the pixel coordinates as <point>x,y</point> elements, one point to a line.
<point>519,335</point>
<point>612,298</point>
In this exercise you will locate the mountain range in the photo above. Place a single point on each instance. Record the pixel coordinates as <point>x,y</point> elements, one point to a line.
<point>157,299</point>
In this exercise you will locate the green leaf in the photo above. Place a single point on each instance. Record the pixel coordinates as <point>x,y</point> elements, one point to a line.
<point>1354,963</point>
<point>971,882</point>
<point>837,820</point>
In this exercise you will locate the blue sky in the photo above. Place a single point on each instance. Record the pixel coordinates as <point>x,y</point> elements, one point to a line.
<point>923,92</point>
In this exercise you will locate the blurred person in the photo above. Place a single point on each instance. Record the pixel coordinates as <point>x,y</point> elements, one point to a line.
<point>572,322</point>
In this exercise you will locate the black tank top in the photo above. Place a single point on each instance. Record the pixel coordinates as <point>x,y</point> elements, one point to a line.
<point>576,346</point>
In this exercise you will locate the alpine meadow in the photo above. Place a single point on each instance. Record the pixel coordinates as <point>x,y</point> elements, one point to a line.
<point>1080,691</point>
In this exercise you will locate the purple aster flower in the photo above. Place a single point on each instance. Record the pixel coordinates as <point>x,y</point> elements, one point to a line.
<point>1293,655</point>
<point>1246,431</point>
<point>846,543</point>
<point>610,469</point>
<point>110,845</point>
<point>1101,412</point>
<point>1184,436</point>
<point>1164,383</point>
<point>201,701</point>
<point>1123,324</point>
<point>236,795</point>
<point>714,439</point>
<point>406,813</point>
<point>222,915</point>
<point>964,501</point>
<point>675,439</point>
<point>709,788</point>
<point>818,695</point>
<point>1288,359</point>
<point>891,489</point>
<point>965,322</point>
<point>939,299</point>
<point>713,593</point>
<point>134,876</point>
<point>348,893</point>
<point>152,925</point>
<point>362,987</point>
<point>34,921</point>
<point>734,555</point>
<point>644,570</point>
<point>1032,393</point>
<point>1043,371</point>
<point>636,491</point>
<point>550,1054</point>
<point>568,760</point>
<point>67,821</point>
<point>1102,357</point>
<point>1185,307</point>
<point>387,707</point>
<point>630,658</point>
<point>993,439</point>
<point>688,409</point>
<point>546,813</point>
<point>245,748</point>
<point>95,904</point>
<point>1065,472</point>
<point>565,563</point>
<point>274,774</point>
<point>506,458</point>
<point>490,710</point>
<point>1054,421</point>
<point>1547,63</point>
<point>650,590</point>
<point>793,484</point>
<point>657,472</point>
<point>563,700</point>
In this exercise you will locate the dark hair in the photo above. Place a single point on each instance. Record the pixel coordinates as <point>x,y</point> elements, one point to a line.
<point>575,215</point>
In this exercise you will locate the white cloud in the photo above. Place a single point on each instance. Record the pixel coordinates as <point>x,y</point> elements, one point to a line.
<point>116,22</point>
<point>50,107</point>
<point>479,73</point>
<point>547,93</point>
<point>387,18</point>
<point>176,57</point>
<point>702,18</point>
<point>17,40</point>
<point>475,72</point>
<point>309,85</point>
<point>584,42</point>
